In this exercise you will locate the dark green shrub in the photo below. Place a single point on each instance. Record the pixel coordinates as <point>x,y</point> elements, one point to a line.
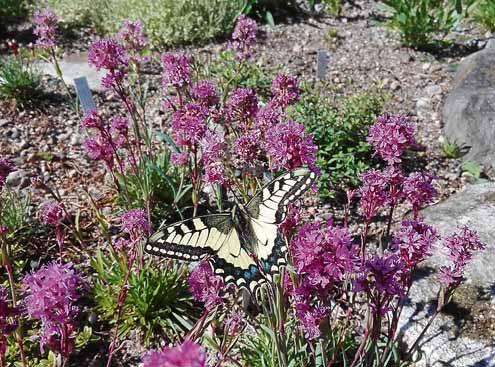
<point>11,10</point>
<point>340,131</point>
<point>166,22</point>
<point>158,301</point>
<point>19,80</point>
<point>484,14</point>
<point>422,23</point>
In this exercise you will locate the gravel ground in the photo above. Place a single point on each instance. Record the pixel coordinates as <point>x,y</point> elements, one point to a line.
<point>45,139</point>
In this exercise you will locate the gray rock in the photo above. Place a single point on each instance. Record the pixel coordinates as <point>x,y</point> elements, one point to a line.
<point>18,179</point>
<point>456,338</point>
<point>469,110</point>
<point>75,66</point>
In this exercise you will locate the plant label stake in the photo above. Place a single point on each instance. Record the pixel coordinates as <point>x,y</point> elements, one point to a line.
<point>84,94</point>
<point>321,64</point>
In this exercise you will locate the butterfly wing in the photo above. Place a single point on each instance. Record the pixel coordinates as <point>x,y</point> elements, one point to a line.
<point>268,209</point>
<point>214,236</point>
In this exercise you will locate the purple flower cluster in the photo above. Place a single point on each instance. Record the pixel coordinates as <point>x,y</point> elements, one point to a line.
<point>287,147</point>
<point>267,116</point>
<point>372,193</point>
<point>188,354</point>
<point>390,135</point>
<point>242,105</point>
<point>46,26</point>
<point>50,294</point>
<point>105,143</point>
<point>247,147</point>
<point>285,90</point>
<point>382,278</point>
<point>52,213</point>
<point>243,37</point>
<point>6,167</point>
<point>7,320</point>
<point>323,258</point>
<point>206,286</point>
<point>135,222</point>
<point>418,189</point>
<point>189,124</point>
<point>205,93</point>
<point>461,246</point>
<point>414,241</point>
<point>132,35</point>
<point>110,55</point>
<point>176,70</point>
<point>323,255</point>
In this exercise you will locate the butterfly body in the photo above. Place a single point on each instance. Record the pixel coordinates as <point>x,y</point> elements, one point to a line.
<point>243,245</point>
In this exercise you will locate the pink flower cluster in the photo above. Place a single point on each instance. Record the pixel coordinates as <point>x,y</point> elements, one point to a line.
<point>414,241</point>
<point>8,322</point>
<point>188,354</point>
<point>110,55</point>
<point>206,286</point>
<point>390,135</point>
<point>6,167</point>
<point>46,26</point>
<point>135,222</point>
<point>460,246</point>
<point>51,293</point>
<point>132,35</point>
<point>106,141</point>
<point>176,70</point>
<point>243,37</point>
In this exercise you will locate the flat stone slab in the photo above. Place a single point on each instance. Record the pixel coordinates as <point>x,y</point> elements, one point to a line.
<point>464,334</point>
<point>75,66</point>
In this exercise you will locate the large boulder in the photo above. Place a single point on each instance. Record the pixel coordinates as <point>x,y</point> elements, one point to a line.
<point>469,110</point>
<point>464,333</point>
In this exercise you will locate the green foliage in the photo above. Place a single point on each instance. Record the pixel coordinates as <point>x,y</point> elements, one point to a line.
<point>450,149</point>
<point>157,181</point>
<point>166,22</point>
<point>19,79</point>
<point>473,170</point>
<point>14,213</point>
<point>11,10</point>
<point>340,132</point>
<point>230,73</point>
<point>158,300</point>
<point>422,23</point>
<point>484,14</point>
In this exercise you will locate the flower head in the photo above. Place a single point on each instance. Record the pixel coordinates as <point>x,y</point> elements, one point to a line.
<point>50,294</point>
<point>119,130</point>
<point>108,54</point>
<point>242,104</point>
<point>8,322</point>
<point>213,147</point>
<point>243,37</point>
<point>215,174</point>
<point>288,147</point>
<point>132,35</point>
<point>414,241</point>
<point>460,247</point>
<point>324,255</point>
<point>189,124</point>
<point>285,90</point>
<point>188,354</point>
<point>267,116</point>
<point>92,120</point>
<point>247,147</point>
<point>135,222</point>
<point>52,213</point>
<point>390,135</point>
<point>418,189</point>
<point>176,70</point>
<point>46,26</point>
<point>6,167</point>
<point>205,93</point>
<point>205,286</point>
<point>100,149</point>
<point>372,193</point>
<point>179,159</point>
